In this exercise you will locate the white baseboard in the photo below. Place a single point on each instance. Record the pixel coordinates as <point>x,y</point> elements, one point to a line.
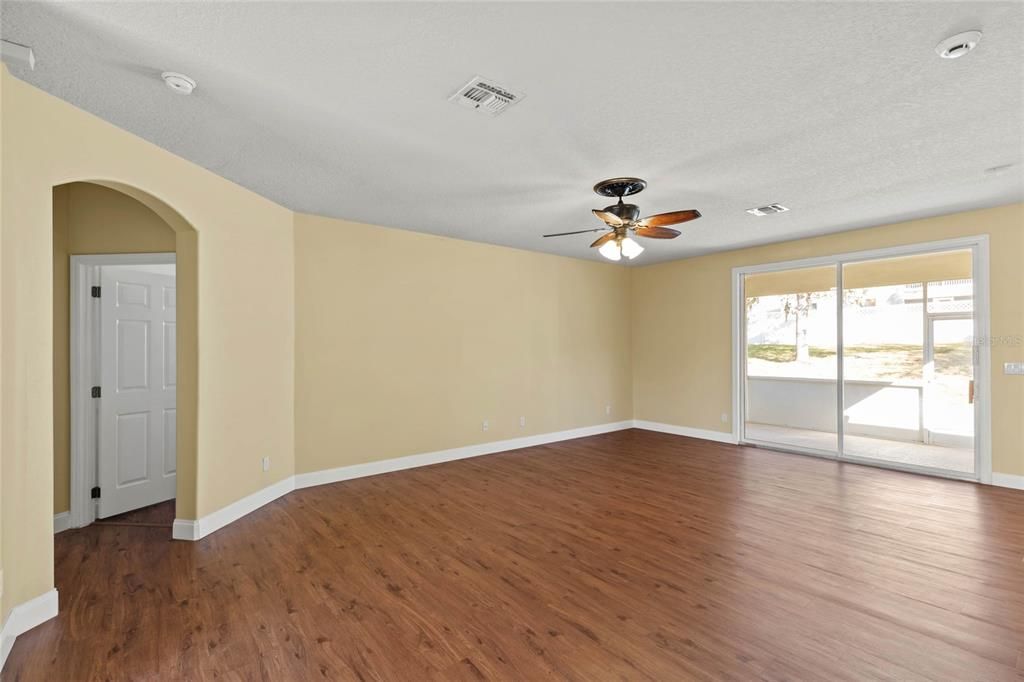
<point>24,617</point>
<point>184,529</point>
<point>1008,480</point>
<point>427,458</point>
<point>719,436</point>
<point>61,522</point>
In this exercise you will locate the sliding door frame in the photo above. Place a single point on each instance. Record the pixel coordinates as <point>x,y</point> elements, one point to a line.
<point>978,244</point>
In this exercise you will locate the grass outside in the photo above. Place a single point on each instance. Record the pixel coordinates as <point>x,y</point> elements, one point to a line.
<point>882,361</point>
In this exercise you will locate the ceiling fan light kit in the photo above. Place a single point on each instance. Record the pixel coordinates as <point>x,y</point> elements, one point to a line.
<point>611,251</point>
<point>630,249</point>
<point>621,219</point>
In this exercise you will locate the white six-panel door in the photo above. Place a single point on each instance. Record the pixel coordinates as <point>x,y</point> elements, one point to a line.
<point>137,416</point>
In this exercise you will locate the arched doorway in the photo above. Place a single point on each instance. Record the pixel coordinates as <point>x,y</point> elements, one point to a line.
<point>91,218</point>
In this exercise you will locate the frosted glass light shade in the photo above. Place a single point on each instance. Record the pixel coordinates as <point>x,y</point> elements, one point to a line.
<point>630,249</point>
<point>610,250</point>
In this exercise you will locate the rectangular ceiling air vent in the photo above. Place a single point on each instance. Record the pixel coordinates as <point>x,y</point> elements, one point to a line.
<point>767,210</point>
<point>485,96</point>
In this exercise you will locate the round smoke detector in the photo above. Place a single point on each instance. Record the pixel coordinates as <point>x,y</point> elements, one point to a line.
<point>958,45</point>
<point>179,82</point>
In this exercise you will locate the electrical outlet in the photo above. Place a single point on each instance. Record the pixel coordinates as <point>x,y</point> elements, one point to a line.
<point>725,418</point>
<point>522,422</point>
<point>487,425</point>
<point>607,409</point>
<point>266,464</point>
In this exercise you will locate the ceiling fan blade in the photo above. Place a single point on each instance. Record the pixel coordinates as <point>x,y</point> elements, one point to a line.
<point>604,238</point>
<point>609,218</point>
<point>562,234</point>
<point>657,232</point>
<point>673,218</point>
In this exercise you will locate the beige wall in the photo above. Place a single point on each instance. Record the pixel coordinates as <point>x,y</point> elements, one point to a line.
<point>243,247</point>
<point>682,327</point>
<point>406,343</point>
<point>88,219</point>
<point>874,273</point>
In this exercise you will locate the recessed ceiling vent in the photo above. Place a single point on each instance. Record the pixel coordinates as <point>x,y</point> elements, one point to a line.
<point>767,210</point>
<point>485,96</point>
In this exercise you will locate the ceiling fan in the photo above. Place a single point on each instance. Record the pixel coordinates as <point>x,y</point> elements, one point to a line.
<point>622,218</point>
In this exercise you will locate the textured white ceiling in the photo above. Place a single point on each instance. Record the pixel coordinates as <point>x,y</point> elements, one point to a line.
<point>841,111</point>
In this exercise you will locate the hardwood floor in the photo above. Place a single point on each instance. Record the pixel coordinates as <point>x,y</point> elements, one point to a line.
<point>632,555</point>
<point>160,515</point>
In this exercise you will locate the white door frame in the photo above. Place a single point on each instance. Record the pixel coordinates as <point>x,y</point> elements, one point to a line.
<point>983,360</point>
<point>929,357</point>
<point>84,349</point>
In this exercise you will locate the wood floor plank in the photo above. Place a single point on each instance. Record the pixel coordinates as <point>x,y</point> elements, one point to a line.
<point>627,556</point>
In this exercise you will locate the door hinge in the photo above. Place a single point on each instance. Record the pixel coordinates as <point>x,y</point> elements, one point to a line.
<point>96,392</point>
<point>96,292</point>
<point>95,492</point>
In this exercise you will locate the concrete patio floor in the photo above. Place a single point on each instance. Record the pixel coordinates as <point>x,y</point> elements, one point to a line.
<point>959,460</point>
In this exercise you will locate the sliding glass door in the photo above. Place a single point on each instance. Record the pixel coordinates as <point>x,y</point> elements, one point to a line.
<point>868,359</point>
<point>791,370</point>
<point>908,362</point>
